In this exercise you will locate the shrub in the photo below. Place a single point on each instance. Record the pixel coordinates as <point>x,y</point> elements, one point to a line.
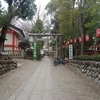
<point>95,57</point>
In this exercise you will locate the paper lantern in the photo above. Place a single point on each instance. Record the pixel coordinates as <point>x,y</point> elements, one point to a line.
<point>98,33</point>
<point>75,40</point>
<point>71,40</point>
<point>63,46</point>
<point>87,38</point>
<point>68,42</point>
<point>80,39</point>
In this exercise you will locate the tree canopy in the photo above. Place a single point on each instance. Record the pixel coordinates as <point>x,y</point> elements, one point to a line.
<point>24,9</point>
<point>37,27</point>
<point>75,19</point>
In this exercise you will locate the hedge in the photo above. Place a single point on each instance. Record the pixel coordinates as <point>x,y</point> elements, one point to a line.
<point>95,57</point>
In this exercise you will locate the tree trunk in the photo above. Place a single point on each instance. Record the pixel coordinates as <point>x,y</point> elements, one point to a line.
<point>3,38</point>
<point>81,24</point>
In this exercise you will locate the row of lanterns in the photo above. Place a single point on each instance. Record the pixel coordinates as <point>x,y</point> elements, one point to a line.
<point>79,40</point>
<point>87,38</point>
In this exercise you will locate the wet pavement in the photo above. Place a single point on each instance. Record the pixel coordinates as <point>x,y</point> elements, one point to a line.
<point>48,82</point>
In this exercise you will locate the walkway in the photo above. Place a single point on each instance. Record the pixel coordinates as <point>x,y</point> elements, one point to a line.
<point>57,83</point>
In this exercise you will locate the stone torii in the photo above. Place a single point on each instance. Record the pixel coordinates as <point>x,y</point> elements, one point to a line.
<point>35,35</point>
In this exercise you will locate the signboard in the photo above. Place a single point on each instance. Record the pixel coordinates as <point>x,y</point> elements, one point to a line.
<point>70,51</point>
<point>34,50</point>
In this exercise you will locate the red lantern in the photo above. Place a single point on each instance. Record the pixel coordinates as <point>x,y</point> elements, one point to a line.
<point>68,42</point>
<point>87,38</point>
<point>98,33</point>
<point>75,40</point>
<point>80,39</point>
<point>63,46</point>
<point>71,40</point>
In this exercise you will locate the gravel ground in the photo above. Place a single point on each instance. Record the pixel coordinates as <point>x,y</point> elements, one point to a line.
<point>17,78</point>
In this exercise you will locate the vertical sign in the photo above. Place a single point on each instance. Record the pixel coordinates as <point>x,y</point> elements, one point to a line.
<point>70,51</point>
<point>34,50</point>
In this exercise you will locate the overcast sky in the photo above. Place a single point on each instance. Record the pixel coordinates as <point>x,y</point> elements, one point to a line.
<point>41,3</point>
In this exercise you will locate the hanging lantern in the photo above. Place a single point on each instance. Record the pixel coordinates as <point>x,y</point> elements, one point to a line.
<point>68,42</point>
<point>75,40</point>
<point>87,38</point>
<point>71,40</point>
<point>98,33</point>
<point>63,46</point>
<point>80,39</point>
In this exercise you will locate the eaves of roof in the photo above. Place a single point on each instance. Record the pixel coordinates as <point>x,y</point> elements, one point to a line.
<point>18,30</point>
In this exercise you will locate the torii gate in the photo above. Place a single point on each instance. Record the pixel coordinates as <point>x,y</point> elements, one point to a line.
<point>47,34</point>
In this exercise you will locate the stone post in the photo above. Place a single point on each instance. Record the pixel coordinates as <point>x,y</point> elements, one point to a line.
<point>60,51</point>
<point>56,48</point>
<point>23,53</point>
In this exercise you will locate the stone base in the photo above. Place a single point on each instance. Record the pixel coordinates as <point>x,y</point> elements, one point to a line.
<point>7,65</point>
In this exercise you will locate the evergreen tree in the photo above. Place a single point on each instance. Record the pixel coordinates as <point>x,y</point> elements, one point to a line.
<point>38,28</point>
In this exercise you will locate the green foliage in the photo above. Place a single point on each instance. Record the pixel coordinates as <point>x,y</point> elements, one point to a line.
<point>38,27</point>
<point>52,6</point>
<point>24,9</point>
<point>38,50</point>
<point>24,44</point>
<point>92,16</point>
<point>73,23</point>
<point>56,26</point>
<point>29,52</point>
<point>95,57</point>
<point>63,18</point>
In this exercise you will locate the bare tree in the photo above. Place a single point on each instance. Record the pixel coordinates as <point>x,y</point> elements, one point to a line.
<point>26,26</point>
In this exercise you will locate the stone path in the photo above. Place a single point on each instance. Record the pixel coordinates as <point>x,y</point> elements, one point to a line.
<point>57,83</point>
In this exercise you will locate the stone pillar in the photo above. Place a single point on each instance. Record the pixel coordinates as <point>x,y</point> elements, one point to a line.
<point>56,48</point>
<point>60,50</point>
<point>23,53</point>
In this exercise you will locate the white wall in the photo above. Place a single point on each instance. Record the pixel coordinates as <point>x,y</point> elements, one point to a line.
<point>9,39</point>
<point>7,48</point>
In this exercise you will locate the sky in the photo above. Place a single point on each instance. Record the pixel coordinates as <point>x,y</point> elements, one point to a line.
<point>41,3</point>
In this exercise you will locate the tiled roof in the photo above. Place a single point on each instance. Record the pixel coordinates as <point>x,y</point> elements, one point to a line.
<point>18,30</point>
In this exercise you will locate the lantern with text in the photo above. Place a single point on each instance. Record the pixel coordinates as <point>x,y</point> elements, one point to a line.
<point>80,39</point>
<point>75,40</point>
<point>98,33</point>
<point>87,38</point>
